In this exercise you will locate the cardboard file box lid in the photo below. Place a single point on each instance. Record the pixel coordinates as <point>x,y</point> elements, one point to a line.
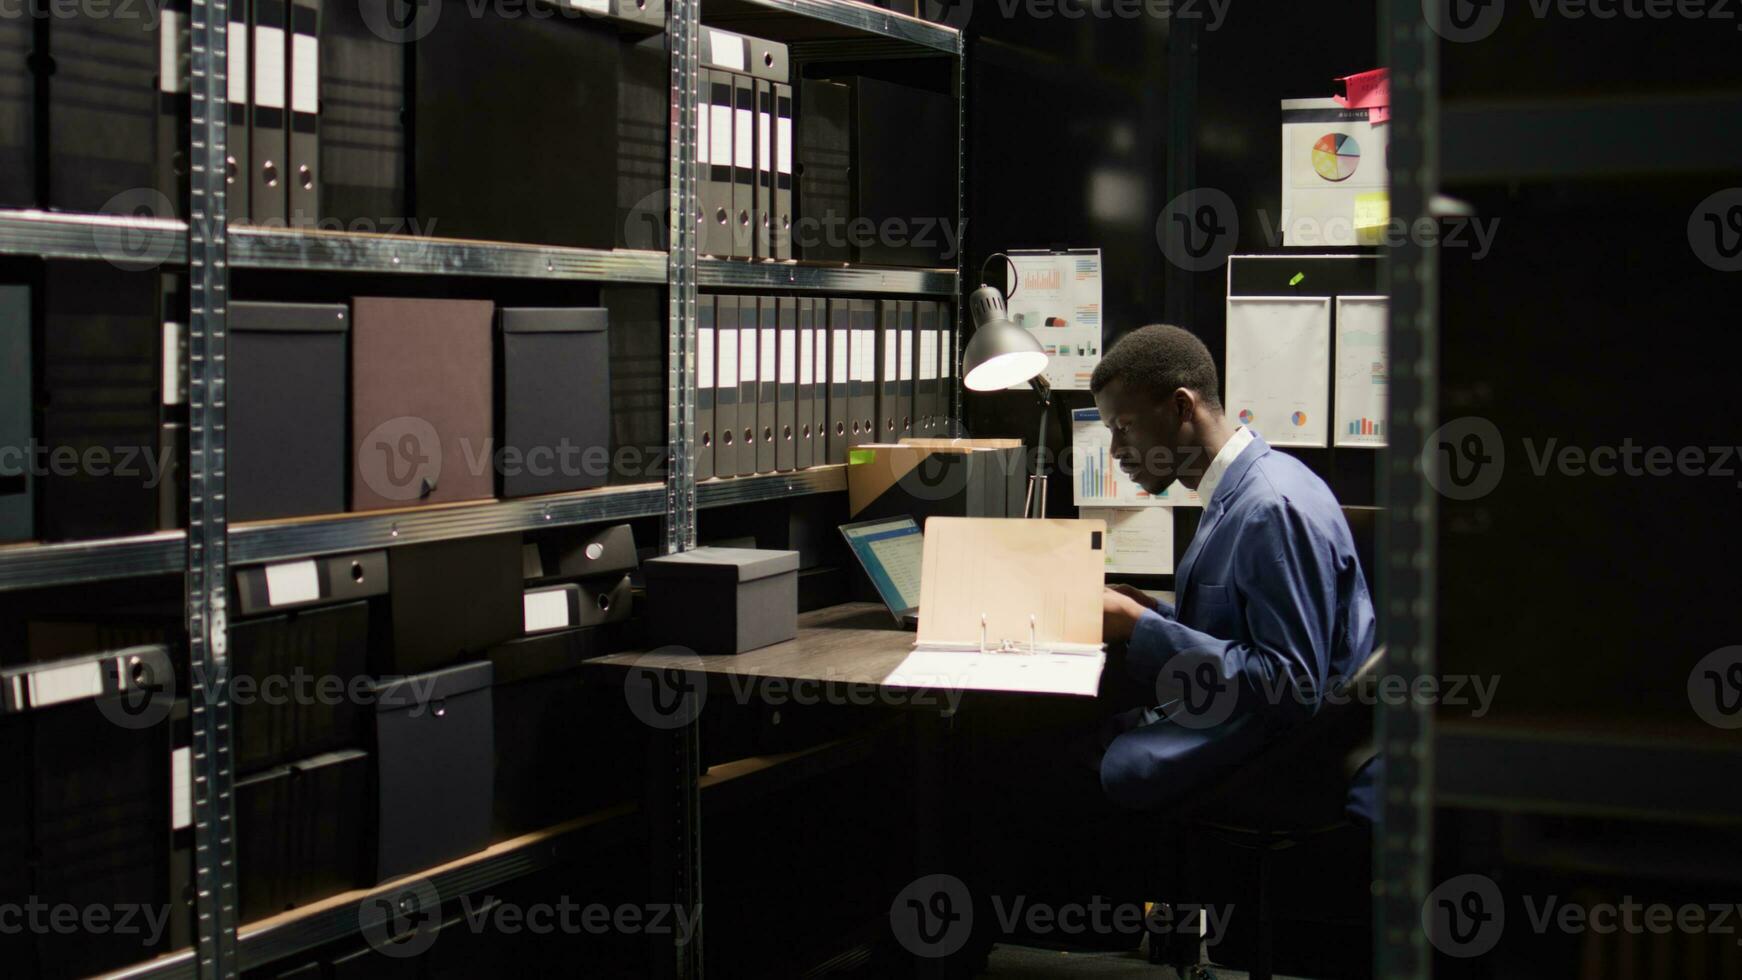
<point>722,565</point>
<point>400,693</point>
<point>557,319</point>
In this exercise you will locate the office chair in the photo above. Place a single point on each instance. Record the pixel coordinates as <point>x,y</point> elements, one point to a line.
<point>1295,791</point>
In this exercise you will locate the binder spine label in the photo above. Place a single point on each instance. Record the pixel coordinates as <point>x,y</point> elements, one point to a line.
<point>704,358</point>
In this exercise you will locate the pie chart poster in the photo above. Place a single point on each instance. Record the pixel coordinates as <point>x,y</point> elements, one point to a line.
<point>1331,156</point>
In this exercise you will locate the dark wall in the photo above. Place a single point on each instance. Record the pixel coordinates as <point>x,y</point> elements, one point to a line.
<point>1081,131</point>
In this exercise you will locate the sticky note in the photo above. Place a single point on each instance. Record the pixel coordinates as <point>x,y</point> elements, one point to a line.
<point>1372,214</point>
<point>1366,90</point>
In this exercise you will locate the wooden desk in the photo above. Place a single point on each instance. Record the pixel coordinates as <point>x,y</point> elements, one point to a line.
<point>853,643</point>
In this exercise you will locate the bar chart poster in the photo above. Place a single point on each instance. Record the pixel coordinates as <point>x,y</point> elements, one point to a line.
<point>1279,367</point>
<point>1097,481</point>
<point>1057,299</point>
<point>1363,371</point>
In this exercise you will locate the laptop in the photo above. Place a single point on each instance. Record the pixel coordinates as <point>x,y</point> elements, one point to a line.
<point>891,551</point>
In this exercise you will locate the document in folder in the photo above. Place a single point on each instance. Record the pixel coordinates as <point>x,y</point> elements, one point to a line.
<point>1009,605</point>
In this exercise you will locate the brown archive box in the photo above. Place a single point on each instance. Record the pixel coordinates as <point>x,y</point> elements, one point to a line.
<point>421,408</point>
<point>922,478</point>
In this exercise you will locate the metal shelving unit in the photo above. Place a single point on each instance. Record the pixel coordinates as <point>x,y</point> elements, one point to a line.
<point>204,552</point>
<point>726,274</point>
<point>327,251</point>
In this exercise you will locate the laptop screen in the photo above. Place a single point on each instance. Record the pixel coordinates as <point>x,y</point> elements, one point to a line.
<point>891,552</point>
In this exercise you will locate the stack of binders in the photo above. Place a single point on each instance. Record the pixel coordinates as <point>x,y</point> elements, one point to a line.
<point>790,382</point>
<point>744,128</point>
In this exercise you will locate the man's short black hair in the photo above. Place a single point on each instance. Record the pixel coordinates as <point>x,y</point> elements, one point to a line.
<point>1160,359</point>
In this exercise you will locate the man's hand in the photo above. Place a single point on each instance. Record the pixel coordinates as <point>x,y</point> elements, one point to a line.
<point>1143,598</point>
<point>1119,615</point>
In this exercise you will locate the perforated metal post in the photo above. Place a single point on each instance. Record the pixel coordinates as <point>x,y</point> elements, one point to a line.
<point>208,285</point>
<point>1403,852</point>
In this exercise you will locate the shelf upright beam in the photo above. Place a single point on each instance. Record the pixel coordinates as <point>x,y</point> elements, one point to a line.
<point>1403,852</point>
<point>674,805</point>
<point>208,285</point>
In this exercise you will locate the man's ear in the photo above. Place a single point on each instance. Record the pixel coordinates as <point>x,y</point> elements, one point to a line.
<point>1185,403</point>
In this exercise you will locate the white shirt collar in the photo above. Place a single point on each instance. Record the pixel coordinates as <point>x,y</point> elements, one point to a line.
<point>1218,467</point>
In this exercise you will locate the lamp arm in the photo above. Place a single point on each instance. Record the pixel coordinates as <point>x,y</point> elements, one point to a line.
<point>1015,277</point>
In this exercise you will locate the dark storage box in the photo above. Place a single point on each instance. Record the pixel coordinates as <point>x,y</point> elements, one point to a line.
<point>304,667</point>
<point>310,582</point>
<point>103,106</point>
<point>582,553</point>
<point>16,485</point>
<point>421,409</point>
<point>450,600</point>
<point>85,823</point>
<point>565,742</point>
<point>102,398</point>
<point>492,163</point>
<point>301,832</point>
<point>904,169</point>
<point>723,600</point>
<point>286,448</point>
<point>555,400</point>
<point>433,748</point>
<point>593,603</point>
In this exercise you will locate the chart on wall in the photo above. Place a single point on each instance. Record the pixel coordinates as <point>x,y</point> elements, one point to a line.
<point>1363,371</point>
<point>1279,352</point>
<point>1057,298</point>
<point>1097,481</point>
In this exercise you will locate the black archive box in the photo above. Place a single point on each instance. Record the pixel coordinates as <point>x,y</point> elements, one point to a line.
<point>581,553</point>
<point>450,600</point>
<point>723,600</point>
<point>301,832</point>
<point>308,582</point>
<point>514,124</point>
<point>904,166</point>
<point>555,400</point>
<point>563,745</point>
<point>825,170</point>
<point>102,401</point>
<point>433,755</point>
<point>86,824</point>
<point>315,659</point>
<point>287,401</point>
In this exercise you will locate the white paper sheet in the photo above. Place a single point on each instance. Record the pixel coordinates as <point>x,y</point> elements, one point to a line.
<point>1043,673</point>
<point>1139,539</point>
<point>1331,158</point>
<point>1363,371</point>
<point>1278,377</point>
<point>1058,300</point>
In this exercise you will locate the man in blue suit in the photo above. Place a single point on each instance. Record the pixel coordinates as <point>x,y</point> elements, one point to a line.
<point>1272,607</point>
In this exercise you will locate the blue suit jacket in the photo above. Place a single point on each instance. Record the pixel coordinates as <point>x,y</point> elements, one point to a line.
<point>1272,608</point>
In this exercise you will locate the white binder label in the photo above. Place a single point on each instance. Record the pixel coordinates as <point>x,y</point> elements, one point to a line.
<point>594,6</point>
<point>928,356</point>
<point>747,356</point>
<point>764,158</point>
<point>704,358</point>
<point>839,373</point>
<point>806,344</point>
<point>181,789</point>
<point>907,355</point>
<point>891,369</point>
<point>58,685</point>
<point>170,77</point>
<point>726,50</point>
<point>788,357</point>
<point>720,134</point>
<point>864,355</point>
<point>768,366</point>
<point>728,377</point>
<point>172,334</point>
<point>742,146</point>
<point>269,67</point>
<point>294,581</point>
<point>305,73</point>
<point>546,609</point>
<point>783,144</point>
<point>237,80</point>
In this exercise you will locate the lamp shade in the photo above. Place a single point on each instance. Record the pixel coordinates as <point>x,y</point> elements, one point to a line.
<point>1000,354</point>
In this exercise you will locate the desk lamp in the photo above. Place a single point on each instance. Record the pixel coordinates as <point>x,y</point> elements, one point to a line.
<point>1002,355</point>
